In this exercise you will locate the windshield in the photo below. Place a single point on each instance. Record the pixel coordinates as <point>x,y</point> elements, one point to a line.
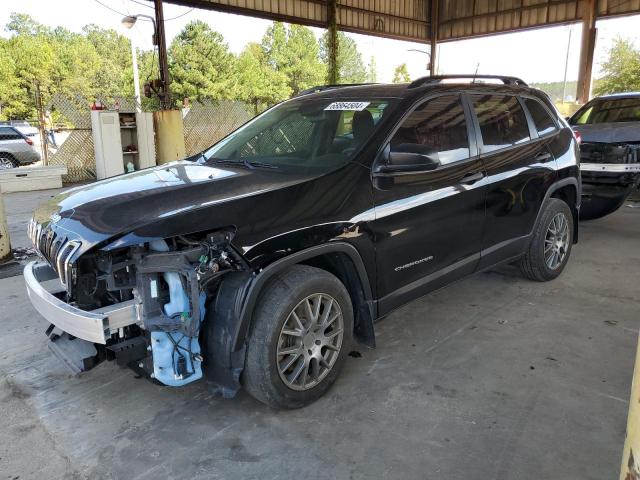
<point>307,134</point>
<point>608,111</point>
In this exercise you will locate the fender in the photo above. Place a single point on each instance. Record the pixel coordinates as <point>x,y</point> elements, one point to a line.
<point>574,208</point>
<point>229,315</point>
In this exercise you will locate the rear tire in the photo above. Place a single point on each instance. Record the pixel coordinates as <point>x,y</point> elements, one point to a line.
<point>550,246</point>
<point>302,332</point>
<point>7,161</point>
<point>597,207</point>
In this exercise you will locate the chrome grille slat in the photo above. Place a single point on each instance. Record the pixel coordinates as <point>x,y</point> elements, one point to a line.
<point>55,247</point>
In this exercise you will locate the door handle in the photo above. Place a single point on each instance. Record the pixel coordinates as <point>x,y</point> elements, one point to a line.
<point>541,157</point>
<point>472,178</point>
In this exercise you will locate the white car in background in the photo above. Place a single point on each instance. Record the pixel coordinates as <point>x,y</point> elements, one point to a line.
<point>16,148</point>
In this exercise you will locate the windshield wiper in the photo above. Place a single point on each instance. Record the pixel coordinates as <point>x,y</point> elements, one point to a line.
<point>243,163</point>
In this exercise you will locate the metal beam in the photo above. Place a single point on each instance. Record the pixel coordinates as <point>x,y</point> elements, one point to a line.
<point>587,47</point>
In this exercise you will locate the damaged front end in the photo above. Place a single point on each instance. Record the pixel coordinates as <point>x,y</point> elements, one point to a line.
<point>143,305</point>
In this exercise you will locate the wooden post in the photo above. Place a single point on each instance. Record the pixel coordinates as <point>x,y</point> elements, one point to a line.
<point>5,244</point>
<point>332,43</point>
<point>434,37</point>
<point>587,47</point>
<point>630,467</point>
<point>165,94</point>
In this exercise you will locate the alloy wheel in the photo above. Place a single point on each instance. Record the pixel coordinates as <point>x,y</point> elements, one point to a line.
<point>5,162</point>
<point>310,341</point>
<point>556,242</point>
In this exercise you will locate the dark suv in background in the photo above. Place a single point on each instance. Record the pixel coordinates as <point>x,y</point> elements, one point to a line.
<point>609,129</point>
<point>260,260</point>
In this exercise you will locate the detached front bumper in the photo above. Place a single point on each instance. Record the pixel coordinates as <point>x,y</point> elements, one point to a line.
<point>45,292</point>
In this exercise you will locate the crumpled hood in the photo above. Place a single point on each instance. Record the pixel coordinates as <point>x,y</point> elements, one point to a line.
<point>610,132</point>
<point>118,205</point>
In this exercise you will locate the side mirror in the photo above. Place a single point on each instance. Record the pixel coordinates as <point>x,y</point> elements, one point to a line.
<point>407,158</point>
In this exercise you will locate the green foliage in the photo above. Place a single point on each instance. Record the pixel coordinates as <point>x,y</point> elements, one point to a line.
<point>96,64</point>
<point>293,51</point>
<point>401,74</point>
<point>259,84</point>
<point>351,67</point>
<point>554,89</point>
<point>201,65</point>
<point>372,73</point>
<point>621,70</point>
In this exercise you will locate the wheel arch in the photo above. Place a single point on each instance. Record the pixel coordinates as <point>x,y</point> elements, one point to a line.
<point>338,258</point>
<point>568,190</point>
<point>230,313</point>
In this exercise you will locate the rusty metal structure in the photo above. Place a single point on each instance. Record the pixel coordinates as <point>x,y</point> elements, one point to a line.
<point>435,21</point>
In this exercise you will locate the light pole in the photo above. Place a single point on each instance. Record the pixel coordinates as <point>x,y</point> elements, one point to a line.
<point>427,54</point>
<point>162,89</point>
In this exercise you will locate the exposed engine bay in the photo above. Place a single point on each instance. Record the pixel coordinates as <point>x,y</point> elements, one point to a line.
<point>168,282</point>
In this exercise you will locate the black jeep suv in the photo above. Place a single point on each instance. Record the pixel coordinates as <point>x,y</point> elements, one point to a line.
<point>260,260</point>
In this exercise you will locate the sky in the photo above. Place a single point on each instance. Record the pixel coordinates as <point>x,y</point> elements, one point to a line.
<point>535,55</point>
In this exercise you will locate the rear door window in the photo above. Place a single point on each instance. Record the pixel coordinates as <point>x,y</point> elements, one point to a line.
<point>440,124</point>
<point>502,121</point>
<point>541,119</point>
<point>8,133</point>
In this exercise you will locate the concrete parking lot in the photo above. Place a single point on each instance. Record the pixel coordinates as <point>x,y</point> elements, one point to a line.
<point>495,377</point>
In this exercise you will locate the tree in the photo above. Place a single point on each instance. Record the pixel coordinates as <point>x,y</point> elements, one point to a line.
<point>401,74</point>
<point>10,91</point>
<point>351,67</point>
<point>259,84</point>
<point>294,52</point>
<point>621,69</point>
<point>372,73</point>
<point>200,64</point>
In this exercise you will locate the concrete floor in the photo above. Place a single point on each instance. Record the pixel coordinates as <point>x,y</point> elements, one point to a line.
<point>495,377</point>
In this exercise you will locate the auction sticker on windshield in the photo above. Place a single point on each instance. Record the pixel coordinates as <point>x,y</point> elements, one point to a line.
<point>350,106</point>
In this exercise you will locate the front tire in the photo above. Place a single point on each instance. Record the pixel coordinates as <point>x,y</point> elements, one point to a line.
<point>302,331</point>
<point>550,246</point>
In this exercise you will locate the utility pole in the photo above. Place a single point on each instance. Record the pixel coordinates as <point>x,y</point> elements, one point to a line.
<point>165,93</point>
<point>566,66</point>
<point>44,143</point>
<point>332,43</point>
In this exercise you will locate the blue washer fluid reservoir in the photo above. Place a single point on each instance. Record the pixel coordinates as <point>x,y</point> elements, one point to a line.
<point>174,351</point>
<point>166,357</point>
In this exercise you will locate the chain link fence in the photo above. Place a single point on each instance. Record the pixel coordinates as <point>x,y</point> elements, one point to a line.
<point>206,122</point>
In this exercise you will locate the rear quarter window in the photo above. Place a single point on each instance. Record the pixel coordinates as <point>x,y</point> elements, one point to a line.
<point>8,133</point>
<point>541,119</point>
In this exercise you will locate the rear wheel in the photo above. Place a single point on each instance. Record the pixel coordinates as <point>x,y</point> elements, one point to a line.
<point>7,161</point>
<point>550,246</point>
<point>597,207</point>
<point>302,329</point>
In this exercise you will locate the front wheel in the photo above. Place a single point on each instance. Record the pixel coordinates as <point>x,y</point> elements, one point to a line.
<point>302,330</point>
<point>550,246</point>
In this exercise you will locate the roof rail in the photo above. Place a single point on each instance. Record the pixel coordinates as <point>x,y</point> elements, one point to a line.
<point>321,88</point>
<point>439,78</point>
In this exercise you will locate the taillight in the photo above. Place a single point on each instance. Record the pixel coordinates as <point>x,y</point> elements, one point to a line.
<point>578,136</point>
<point>29,141</point>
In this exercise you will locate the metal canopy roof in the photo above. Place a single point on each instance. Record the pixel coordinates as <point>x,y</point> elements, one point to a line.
<point>411,19</point>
